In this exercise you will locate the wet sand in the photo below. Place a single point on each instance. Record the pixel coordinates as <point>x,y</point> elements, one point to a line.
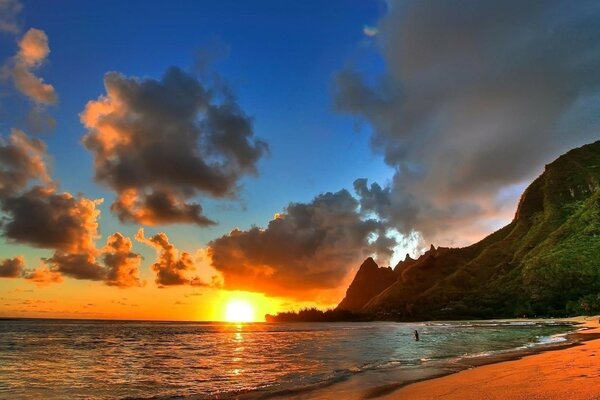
<point>568,372</point>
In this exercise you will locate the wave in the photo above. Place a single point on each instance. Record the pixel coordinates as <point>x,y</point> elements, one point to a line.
<point>493,323</point>
<point>558,338</point>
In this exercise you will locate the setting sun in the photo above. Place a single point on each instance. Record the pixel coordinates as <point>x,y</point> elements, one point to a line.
<point>239,311</point>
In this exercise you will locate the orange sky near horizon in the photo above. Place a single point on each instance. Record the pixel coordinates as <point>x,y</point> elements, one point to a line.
<point>92,300</point>
<point>95,300</point>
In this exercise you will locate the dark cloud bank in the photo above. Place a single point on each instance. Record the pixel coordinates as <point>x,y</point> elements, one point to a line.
<point>477,96</point>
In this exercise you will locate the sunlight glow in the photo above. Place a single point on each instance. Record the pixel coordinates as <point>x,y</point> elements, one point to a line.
<point>239,311</point>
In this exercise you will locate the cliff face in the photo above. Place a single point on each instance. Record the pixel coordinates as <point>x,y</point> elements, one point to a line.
<point>545,262</point>
<point>369,281</point>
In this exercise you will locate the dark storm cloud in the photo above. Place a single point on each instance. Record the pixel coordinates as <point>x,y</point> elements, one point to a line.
<point>158,143</point>
<point>477,95</point>
<point>310,246</point>
<point>12,267</point>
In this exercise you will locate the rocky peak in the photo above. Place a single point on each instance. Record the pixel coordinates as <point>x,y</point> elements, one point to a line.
<point>369,281</point>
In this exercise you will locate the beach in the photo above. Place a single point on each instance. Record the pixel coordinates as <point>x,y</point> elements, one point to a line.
<point>572,372</point>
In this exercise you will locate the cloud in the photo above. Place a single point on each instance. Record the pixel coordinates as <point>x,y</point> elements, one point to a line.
<point>212,50</point>
<point>34,212</point>
<point>157,208</point>
<point>80,265</point>
<point>20,69</point>
<point>370,30</point>
<point>476,97</point>
<point>123,265</point>
<point>33,48</point>
<point>21,159</point>
<point>172,266</point>
<point>44,218</point>
<point>12,267</point>
<point>43,276</point>
<point>9,10</point>
<point>33,51</point>
<point>309,247</point>
<point>159,143</point>
<point>119,267</point>
<point>39,120</point>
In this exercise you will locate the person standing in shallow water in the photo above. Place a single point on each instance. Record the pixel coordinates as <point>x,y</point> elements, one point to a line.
<point>416,335</point>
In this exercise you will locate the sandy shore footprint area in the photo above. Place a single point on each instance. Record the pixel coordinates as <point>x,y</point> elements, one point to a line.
<point>571,373</point>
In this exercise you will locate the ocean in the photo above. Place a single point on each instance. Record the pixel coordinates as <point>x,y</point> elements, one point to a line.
<point>79,359</point>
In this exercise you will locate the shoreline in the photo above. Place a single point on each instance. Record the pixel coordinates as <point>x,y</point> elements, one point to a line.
<point>368,385</point>
<point>524,373</point>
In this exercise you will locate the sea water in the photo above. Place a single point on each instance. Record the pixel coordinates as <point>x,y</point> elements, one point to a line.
<point>60,359</point>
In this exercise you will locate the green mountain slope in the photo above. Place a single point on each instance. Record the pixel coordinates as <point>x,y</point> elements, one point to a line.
<point>545,262</point>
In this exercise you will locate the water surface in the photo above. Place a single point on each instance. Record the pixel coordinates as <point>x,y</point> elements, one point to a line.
<point>57,359</point>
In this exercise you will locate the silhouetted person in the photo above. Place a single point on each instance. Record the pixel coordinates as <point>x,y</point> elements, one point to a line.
<point>416,335</point>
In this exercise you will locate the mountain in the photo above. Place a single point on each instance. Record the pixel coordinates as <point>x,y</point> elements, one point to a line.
<point>546,262</point>
<point>370,280</point>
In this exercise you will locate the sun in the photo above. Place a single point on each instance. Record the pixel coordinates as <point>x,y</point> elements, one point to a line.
<point>239,311</point>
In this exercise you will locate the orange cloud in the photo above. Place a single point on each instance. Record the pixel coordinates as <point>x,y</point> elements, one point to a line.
<point>33,50</point>
<point>172,266</point>
<point>157,208</point>
<point>43,276</point>
<point>123,265</point>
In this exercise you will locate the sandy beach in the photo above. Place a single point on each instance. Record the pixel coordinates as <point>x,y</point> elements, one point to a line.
<point>570,373</point>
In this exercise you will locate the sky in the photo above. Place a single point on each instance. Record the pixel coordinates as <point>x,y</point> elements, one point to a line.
<point>164,161</point>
